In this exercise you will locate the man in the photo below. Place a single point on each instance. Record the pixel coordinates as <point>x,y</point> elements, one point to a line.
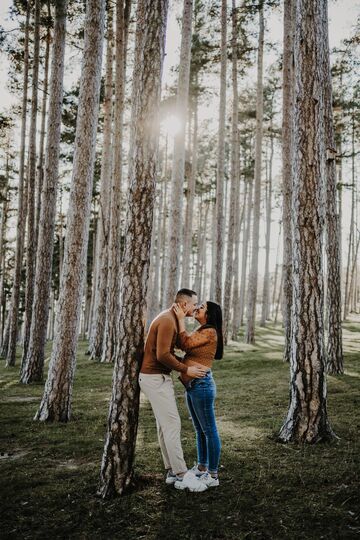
<point>156,383</point>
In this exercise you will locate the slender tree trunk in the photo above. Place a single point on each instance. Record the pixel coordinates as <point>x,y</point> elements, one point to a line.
<point>253,274</point>
<point>33,361</point>
<point>190,200</point>
<point>287,149</point>
<point>4,220</point>
<point>352,218</point>
<point>334,358</point>
<point>40,166</point>
<point>98,326</point>
<point>114,248</point>
<point>9,343</point>
<point>31,186</point>
<point>56,400</point>
<point>220,174</point>
<point>118,457</point>
<point>245,250</point>
<point>236,295</point>
<point>277,271</point>
<point>266,286</point>
<point>164,232</point>
<point>235,181</point>
<point>177,177</point>
<point>307,419</point>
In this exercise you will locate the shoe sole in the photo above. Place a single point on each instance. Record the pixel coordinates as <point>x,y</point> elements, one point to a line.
<point>183,488</point>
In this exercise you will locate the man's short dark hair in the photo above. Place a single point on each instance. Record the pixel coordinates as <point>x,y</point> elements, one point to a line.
<point>184,292</point>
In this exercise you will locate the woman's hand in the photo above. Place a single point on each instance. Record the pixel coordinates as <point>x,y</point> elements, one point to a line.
<point>178,312</point>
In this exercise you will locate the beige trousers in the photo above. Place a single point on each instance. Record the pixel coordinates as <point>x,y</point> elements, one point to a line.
<point>159,390</point>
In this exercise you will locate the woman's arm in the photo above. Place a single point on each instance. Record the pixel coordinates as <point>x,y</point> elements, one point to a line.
<point>188,342</point>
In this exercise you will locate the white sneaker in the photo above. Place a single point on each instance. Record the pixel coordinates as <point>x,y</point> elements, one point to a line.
<point>170,478</point>
<point>208,480</point>
<point>190,482</point>
<point>197,471</point>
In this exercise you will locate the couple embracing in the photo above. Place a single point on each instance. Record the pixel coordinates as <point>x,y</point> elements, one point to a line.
<point>166,332</point>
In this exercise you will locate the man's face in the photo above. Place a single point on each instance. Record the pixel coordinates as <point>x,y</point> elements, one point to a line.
<point>189,305</point>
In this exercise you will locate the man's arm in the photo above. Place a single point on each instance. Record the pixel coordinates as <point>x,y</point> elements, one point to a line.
<point>164,339</point>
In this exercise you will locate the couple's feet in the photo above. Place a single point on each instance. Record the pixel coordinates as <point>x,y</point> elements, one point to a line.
<point>193,480</point>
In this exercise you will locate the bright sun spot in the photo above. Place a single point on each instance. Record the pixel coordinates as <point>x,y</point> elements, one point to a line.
<point>171,125</point>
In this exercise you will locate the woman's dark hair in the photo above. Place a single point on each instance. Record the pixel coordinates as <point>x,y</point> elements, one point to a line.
<point>214,320</point>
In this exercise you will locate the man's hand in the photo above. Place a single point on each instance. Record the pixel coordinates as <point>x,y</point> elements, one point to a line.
<point>196,372</point>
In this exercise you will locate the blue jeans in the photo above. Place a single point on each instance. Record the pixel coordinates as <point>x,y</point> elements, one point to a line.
<point>200,398</point>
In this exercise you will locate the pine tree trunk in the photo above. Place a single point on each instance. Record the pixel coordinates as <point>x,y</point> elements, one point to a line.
<point>245,250</point>
<point>287,137</point>
<point>40,166</point>
<point>33,362</point>
<point>352,218</point>
<point>277,271</point>
<point>101,275</point>
<point>220,174</point>
<point>236,295</point>
<point>235,182</point>
<point>9,343</point>
<point>266,285</point>
<point>31,187</point>
<point>334,357</point>
<point>190,200</point>
<point>253,274</point>
<point>307,419</point>
<point>118,457</point>
<point>114,248</point>
<point>4,220</point>
<point>56,401</point>
<point>177,177</point>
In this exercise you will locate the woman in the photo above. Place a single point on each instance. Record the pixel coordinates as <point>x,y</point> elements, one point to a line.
<point>201,347</point>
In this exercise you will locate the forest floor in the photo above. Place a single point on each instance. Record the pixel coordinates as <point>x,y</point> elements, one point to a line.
<point>49,473</point>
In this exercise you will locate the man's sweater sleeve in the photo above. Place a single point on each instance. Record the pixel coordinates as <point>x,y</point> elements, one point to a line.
<point>164,338</point>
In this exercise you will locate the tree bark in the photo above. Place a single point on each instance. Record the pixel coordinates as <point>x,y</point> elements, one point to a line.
<point>220,173</point>
<point>33,363</point>
<point>245,249</point>
<point>253,274</point>
<point>101,275</point>
<point>56,400</point>
<point>177,177</point>
<point>9,343</point>
<point>117,462</point>
<point>287,158</point>
<point>235,181</point>
<point>236,294</point>
<point>307,420</point>
<point>31,186</point>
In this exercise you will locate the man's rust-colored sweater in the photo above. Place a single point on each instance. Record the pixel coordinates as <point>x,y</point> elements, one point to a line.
<point>160,343</point>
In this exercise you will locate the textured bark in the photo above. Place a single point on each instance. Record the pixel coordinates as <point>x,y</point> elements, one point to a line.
<point>287,129</point>
<point>33,361</point>
<point>236,294</point>
<point>190,200</point>
<point>334,357</point>
<point>114,248</point>
<point>235,181</point>
<point>101,273</point>
<point>220,173</point>
<point>117,462</point>
<point>245,250</point>
<point>56,400</point>
<point>253,274</point>
<point>265,308</point>
<point>177,177</point>
<point>40,165</point>
<point>31,186</point>
<point>9,343</point>
<point>276,270</point>
<point>307,415</point>
<point>3,224</point>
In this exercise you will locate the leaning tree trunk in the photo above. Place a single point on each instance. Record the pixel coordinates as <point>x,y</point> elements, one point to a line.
<point>177,177</point>
<point>118,457</point>
<point>101,275</point>
<point>9,343</point>
<point>287,129</point>
<point>31,187</point>
<point>334,357</point>
<point>220,173</point>
<point>253,274</point>
<point>235,181</point>
<point>56,401</point>
<point>307,419</point>
<point>33,364</point>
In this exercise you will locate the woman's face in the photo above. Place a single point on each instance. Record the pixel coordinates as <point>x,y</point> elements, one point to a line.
<point>200,313</point>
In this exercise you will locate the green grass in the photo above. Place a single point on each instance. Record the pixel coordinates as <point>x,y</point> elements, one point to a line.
<point>49,473</point>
